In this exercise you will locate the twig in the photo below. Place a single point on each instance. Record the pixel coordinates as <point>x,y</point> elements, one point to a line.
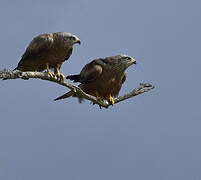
<point>8,74</point>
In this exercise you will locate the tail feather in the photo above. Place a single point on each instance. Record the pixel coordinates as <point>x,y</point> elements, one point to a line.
<point>74,78</point>
<point>67,95</point>
<point>17,68</point>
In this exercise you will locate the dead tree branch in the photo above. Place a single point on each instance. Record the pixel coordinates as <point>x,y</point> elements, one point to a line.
<point>8,74</point>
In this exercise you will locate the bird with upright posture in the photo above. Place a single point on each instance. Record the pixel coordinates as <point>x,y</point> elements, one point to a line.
<point>102,77</point>
<point>48,51</point>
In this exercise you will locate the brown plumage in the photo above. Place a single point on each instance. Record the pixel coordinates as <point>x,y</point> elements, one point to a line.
<point>47,51</point>
<point>102,78</point>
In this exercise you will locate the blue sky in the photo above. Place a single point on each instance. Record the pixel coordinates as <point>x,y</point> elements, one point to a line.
<point>152,136</point>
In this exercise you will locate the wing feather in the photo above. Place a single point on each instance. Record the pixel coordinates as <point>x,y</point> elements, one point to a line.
<point>91,72</point>
<point>124,78</point>
<point>40,43</point>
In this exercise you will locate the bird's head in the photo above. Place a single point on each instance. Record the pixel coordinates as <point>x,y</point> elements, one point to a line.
<point>70,39</point>
<point>124,60</point>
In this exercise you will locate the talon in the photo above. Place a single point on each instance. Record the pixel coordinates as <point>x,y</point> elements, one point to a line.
<point>48,71</point>
<point>58,74</point>
<point>50,74</point>
<point>62,76</point>
<point>111,100</point>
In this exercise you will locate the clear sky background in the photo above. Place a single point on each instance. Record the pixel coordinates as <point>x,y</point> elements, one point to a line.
<point>156,135</point>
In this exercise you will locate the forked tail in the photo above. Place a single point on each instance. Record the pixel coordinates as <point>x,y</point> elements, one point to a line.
<point>67,95</point>
<point>74,78</point>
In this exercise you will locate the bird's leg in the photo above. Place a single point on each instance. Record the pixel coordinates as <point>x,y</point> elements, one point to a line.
<point>111,100</point>
<point>48,71</point>
<point>58,74</point>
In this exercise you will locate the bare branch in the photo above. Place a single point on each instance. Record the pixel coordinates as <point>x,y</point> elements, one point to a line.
<point>8,74</point>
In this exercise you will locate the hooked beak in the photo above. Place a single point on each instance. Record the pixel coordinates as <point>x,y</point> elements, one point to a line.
<point>77,41</point>
<point>133,61</point>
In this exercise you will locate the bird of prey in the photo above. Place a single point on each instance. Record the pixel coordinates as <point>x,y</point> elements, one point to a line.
<point>47,51</point>
<point>102,77</point>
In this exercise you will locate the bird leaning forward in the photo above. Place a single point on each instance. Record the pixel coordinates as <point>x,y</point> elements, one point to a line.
<point>102,78</point>
<point>48,51</point>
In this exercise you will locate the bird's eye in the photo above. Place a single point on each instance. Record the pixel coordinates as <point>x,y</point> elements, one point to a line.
<point>72,38</point>
<point>127,58</point>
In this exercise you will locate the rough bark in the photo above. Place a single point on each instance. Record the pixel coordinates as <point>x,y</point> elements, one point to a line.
<point>8,74</point>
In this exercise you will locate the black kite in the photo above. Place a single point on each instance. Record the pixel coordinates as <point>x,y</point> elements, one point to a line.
<point>47,51</point>
<point>102,77</point>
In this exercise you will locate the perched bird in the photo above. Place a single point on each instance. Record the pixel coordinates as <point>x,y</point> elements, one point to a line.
<point>47,51</point>
<point>102,77</point>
